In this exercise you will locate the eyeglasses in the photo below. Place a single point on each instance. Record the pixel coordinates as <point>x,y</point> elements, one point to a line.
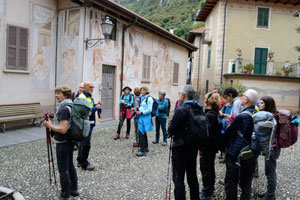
<point>92,87</point>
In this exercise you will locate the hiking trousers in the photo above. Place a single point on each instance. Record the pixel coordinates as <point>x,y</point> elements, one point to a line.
<point>84,150</point>
<point>67,172</point>
<point>184,160</point>
<point>238,175</point>
<point>121,123</point>
<point>270,172</point>
<point>143,141</point>
<point>161,122</point>
<point>207,168</point>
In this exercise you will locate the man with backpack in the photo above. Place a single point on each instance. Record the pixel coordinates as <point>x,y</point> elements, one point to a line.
<point>161,117</point>
<point>240,170</point>
<point>189,131</point>
<point>85,145</point>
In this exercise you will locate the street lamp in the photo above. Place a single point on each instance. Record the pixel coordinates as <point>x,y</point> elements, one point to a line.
<point>107,27</point>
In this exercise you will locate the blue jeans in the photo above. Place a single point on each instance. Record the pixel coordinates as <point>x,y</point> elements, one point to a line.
<point>161,122</point>
<point>66,169</point>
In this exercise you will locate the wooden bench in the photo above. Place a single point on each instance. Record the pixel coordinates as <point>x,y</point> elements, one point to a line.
<point>14,112</point>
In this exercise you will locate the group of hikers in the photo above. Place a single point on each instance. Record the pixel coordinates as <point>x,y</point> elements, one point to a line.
<point>241,128</point>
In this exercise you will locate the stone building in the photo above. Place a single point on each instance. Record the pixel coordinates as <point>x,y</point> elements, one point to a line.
<point>248,34</point>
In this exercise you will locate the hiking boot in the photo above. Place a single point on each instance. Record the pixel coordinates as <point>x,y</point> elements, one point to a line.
<point>62,198</point>
<point>89,167</point>
<point>117,136</point>
<point>261,195</point>
<point>74,193</point>
<point>140,154</point>
<point>136,145</point>
<point>204,196</point>
<point>155,141</point>
<point>127,136</point>
<point>164,144</point>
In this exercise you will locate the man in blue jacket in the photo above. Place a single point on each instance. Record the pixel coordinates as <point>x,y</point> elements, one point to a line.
<point>239,134</point>
<point>161,117</point>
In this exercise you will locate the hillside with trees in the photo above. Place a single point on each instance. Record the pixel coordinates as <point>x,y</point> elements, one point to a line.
<point>179,15</point>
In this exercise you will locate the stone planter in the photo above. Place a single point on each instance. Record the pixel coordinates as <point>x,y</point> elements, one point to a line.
<point>16,195</point>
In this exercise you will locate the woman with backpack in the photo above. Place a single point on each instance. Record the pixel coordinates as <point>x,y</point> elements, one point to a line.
<point>126,102</point>
<point>267,103</point>
<point>135,106</point>
<point>144,120</point>
<point>64,147</point>
<point>208,155</point>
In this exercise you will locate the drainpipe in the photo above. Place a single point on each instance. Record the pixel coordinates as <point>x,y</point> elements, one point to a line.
<point>56,44</point>
<point>124,28</point>
<point>199,55</point>
<point>223,47</point>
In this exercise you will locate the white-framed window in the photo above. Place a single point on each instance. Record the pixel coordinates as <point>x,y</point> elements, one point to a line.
<point>146,68</point>
<point>175,73</point>
<point>263,17</point>
<point>17,48</point>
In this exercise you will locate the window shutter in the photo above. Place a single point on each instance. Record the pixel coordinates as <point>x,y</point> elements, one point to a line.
<point>23,48</point>
<point>144,66</point>
<point>12,47</point>
<point>148,67</point>
<point>266,17</point>
<point>175,73</point>
<point>259,17</point>
<point>263,17</point>
<point>208,58</point>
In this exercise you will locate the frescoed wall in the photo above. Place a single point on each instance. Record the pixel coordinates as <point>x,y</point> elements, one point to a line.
<point>2,8</point>
<point>42,68</point>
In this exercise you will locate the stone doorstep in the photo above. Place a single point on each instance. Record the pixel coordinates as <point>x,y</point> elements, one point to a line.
<point>16,195</point>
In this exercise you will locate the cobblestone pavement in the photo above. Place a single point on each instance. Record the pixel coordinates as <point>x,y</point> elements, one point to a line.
<point>119,174</point>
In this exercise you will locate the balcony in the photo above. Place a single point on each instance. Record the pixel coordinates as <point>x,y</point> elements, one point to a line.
<point>267,68</point>
<point>207,36</point>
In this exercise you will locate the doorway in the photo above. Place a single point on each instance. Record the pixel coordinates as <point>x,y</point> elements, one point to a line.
<point>108,88</point>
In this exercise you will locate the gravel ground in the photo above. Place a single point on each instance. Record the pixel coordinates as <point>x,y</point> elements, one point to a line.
<point>119,174</point>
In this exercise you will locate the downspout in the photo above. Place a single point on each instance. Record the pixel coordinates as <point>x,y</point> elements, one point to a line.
<point>122,53</point>
<point>199,55</point>
<point>223,47</point>
<point>56,44</point>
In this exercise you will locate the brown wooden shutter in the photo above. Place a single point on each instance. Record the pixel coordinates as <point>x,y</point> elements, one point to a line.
<point>23,48</point>
<point>175,73</point>
<point>11,47</point>
<point>148,67</point>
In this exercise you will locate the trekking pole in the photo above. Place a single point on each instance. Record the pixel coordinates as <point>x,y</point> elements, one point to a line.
<point>50,154</point>
<point>168,174</point>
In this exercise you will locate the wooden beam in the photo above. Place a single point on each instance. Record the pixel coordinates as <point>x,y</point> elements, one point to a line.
<point>287,2</point>
<point>295,4</point>
<point>277,1</point>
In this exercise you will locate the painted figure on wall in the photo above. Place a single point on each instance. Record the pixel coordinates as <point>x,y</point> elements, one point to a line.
<point>97,62</point>
<point>38,67</point>
<point>68,60</point>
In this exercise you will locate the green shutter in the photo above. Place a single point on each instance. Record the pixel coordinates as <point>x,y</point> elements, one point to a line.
<point>263,17</point>
<point>208,58</point>
<point>260,60</point>
<point>206,90</point>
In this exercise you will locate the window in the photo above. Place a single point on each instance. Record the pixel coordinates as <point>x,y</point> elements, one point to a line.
<point>263,17</point>
<point>175,73</point>
<point>208,58</point>
<point>206,89</point>
<point>17,48</point>
<point>146,68</point>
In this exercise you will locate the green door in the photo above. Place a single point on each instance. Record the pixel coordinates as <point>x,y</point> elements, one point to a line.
<point>260,60</point>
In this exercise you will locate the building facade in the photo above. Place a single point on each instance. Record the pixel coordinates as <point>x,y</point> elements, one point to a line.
<point>256,35</point>
<point>45,46</point>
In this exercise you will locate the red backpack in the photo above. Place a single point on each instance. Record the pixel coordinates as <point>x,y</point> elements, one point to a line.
<point>287,133</point>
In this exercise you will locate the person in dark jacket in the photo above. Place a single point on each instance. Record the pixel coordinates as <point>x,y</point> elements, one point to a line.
<point>85,145</point>
<point>64,148</point>
<point>240,132</point>
<point>208,155</point>
<point>184,157</point>
<point>267,103</point>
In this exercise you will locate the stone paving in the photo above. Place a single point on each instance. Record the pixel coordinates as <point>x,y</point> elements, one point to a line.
<point>119,174</point>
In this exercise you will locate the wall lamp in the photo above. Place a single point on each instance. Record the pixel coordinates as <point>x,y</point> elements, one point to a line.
<point>107,27</point>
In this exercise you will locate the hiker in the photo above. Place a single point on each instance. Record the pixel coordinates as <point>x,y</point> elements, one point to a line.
<point>231,94</point>
<point>85,145</point>
<point>208,155</point>
<point>161,117</point>
<point>267,103</point>
<point>144,120</point>
<point>239,136</point>
<point>78,92</point>
<point>177,105</point>
<point>135,106</point>
<point>223,101</point>
<point>126,102</point>
<point>184,157</point>
<point>64,147</point>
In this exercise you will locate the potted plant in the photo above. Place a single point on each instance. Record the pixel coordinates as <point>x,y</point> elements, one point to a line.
<point>248,68</point>
<point>287,69</point>
<point>270,55</point>
<point>239,52</point>
<point>278,72</point>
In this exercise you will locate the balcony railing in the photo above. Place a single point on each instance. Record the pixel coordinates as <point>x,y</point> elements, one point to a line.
<point>207,36</point>
<point>269,68</point>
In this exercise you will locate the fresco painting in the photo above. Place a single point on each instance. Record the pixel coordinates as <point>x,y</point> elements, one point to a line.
<point>41,15</point>
<point>2,7</point>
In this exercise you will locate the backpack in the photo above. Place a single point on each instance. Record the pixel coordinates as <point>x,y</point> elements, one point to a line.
<point>287,132</point>
<point>169,107</point>
<point>80,124</point>
<point>197,129</point>
<point>219,138</point>
<point>154,106</point>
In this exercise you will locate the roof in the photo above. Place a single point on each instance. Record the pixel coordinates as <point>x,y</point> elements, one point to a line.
<point>195,32</point>
<point>120,11</point>
<point>210,4</point>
